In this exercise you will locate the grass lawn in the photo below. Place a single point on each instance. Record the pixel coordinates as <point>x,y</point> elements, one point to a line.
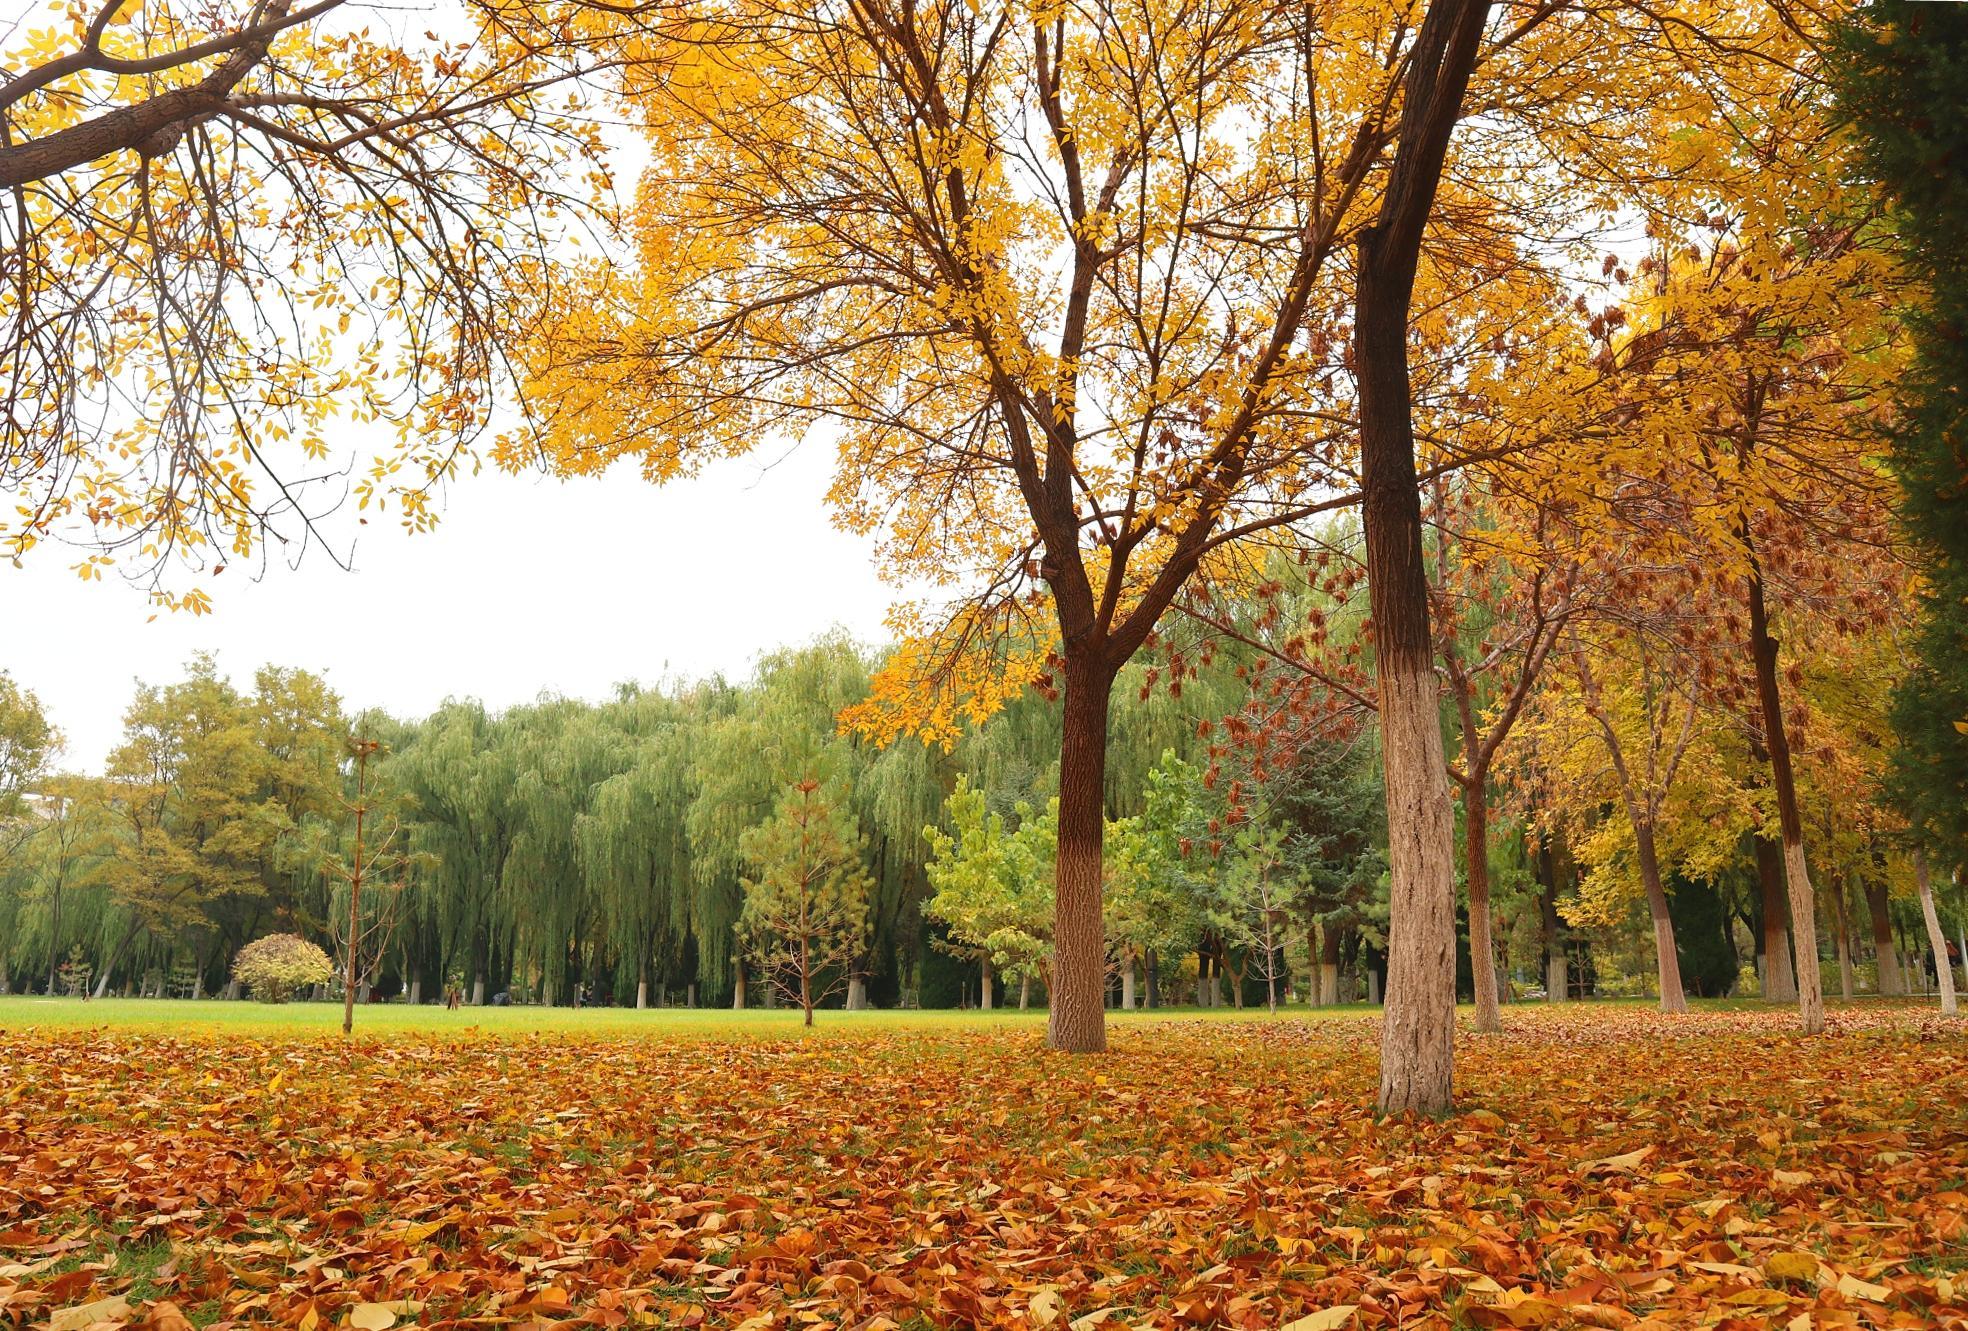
<point>229,1164</point>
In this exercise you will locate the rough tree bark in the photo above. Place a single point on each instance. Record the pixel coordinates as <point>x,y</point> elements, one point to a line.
<point>1803,902</point>
<point>1557,978</point>
<point>1076,1020</point>
<point>1779,980</point>
<point>1891,983</point>
<point>1418,1028</point>
<point>1667,961</point>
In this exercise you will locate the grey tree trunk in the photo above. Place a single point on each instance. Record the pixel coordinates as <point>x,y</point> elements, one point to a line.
<point>738,991</point>
<point>1666,961</point>
<point>478,990</point>
<point>986,997</point>
<point>857,994</point>
<point>1943,973</point>
<point>1127,985</point>
<point>416,991</point>
<point>1024,990</point>
<point>690,994</point>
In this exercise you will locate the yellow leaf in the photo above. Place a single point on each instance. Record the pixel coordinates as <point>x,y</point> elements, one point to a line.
<point>112,1309</point>
<point>1792,1266</point>
<point>1854,1288</point>
<point>1792,1178</point>
<point>371,1317</point>
<point>1329,1319</point>
<point>1044,1307</point>
<point>1613,1163</point>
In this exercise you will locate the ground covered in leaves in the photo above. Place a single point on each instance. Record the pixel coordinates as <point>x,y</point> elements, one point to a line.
<point>1610,1168</point>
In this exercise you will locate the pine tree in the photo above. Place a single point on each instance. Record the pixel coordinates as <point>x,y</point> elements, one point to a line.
<point>1903,82</point>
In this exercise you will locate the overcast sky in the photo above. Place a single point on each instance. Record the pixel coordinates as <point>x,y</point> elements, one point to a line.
<point>528,584</point>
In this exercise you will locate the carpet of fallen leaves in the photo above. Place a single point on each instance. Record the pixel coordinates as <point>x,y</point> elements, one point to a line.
<point>1608,1168</point>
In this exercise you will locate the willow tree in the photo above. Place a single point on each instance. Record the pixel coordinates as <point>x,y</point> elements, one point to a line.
<point>634,844</point>
<point>1064,281</point>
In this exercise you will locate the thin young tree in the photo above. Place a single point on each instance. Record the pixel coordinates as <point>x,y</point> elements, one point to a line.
<point>364,941</point>
<point>805,917</point>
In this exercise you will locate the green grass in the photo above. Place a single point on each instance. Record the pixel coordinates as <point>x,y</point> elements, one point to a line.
<point>213,1016</point>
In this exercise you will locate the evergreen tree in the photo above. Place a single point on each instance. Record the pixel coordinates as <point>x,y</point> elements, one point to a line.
<point>1903,82</point>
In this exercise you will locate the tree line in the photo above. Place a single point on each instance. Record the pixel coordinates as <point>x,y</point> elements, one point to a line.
<point>729,842</point>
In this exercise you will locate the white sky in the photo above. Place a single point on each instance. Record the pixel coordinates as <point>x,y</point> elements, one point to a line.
<point>528,584</point>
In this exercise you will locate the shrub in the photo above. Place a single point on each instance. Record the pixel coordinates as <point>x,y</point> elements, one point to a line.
<point>275,966</point>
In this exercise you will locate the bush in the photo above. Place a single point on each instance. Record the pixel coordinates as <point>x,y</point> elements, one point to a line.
<point>275,966</point>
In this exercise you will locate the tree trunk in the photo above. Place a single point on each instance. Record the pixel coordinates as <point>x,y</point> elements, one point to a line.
<point>1205,986</point>
<point>806,982</point>
<point>1667,962</point>
<point>1891,983</point>
<point>857,994</point>
<point>1151,968</point>
<point>1328,972</point>
<point>54,930</point>
<point>1557,980</point>
<point>416,991</point>
<point>1803,902</point>
<point>985,995</point>
<point>1077,1018</point>
<point>1779,979</point>
<point>1943,973</point>
<point>690,994</point>
<point>478,990</point>
<point>1476,868</point>
<point>1844,940</point>
<point>1418,1028</point>
<point>738,990</point>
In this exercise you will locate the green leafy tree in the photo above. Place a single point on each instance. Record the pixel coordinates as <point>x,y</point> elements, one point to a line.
<point>805,917</point>
<point>993,882</point>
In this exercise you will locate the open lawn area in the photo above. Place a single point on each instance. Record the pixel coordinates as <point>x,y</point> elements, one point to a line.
<point>1608,1167</point>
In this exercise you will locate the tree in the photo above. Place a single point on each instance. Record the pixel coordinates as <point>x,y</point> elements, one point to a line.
<point>1068,365</point>
<point>805,918</point>
<point>28,743</point>
<point>1418,1030</point>
<point>279,965</point>
<point>1901,75</point>
<point>993,883</point>
<point>364,941</point>
<point>227,224</point>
